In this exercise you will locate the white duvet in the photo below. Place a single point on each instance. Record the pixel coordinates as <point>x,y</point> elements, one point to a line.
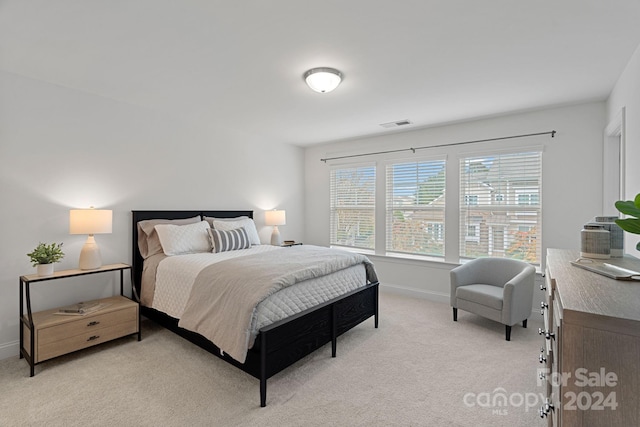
<point>176,274</point>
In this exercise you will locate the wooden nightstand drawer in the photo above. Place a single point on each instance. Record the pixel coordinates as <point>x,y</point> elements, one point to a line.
<point>85,324</point>
<point>86,339</point>
<point>57,334</point>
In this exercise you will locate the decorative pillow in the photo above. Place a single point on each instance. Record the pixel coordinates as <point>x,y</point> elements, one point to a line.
<point>210,219</point>
<point>184,239</point>
<point>228,240</point>
<point>148,241</point>
<point>240,222</point>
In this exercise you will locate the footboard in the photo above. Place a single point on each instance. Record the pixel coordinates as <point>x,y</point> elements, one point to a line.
<point>283,343</point>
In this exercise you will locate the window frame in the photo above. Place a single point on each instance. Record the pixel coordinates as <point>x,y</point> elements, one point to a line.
<point>333,220</point>
<point>438,214</point>
<point>513,200</point>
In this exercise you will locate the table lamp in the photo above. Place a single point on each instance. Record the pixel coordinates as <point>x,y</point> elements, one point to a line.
<point>275,218</point>
<point>90,221</point>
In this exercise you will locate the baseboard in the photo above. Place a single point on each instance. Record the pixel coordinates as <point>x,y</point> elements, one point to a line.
<point>10,349</point>
<point>439,297</point>
<point>416,293</point>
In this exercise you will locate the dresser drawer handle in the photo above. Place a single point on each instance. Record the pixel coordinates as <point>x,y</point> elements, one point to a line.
<point>543,307</point>
<point>93,337</point>
<point>547,334</point>
<point>546,408</point>
<point>542,412</point>
<point>94,323</point>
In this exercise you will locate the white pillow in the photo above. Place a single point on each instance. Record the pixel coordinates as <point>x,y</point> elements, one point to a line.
<point>247,223</point>
<point>184,239</point>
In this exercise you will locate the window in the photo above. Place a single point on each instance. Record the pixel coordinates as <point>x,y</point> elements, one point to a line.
<point>353,206</point>
<point>471,200</point>
<point>500,209</point>
<point>415,207</point>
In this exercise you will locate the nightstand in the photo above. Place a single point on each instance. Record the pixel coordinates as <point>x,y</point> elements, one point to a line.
<point>45,334</point>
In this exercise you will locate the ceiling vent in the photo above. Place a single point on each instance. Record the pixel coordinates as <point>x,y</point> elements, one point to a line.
<point>396,124</point>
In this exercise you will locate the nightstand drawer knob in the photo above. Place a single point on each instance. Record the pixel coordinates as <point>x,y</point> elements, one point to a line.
<point>94,323</point>
<point>93,337</point>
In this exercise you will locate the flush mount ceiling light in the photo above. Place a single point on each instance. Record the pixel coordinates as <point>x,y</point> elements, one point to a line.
<point>323,79</point>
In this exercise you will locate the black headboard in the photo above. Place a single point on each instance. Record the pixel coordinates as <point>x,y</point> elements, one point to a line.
<point>137,261</point>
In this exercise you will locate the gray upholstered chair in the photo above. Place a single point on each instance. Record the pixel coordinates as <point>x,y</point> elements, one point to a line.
<point>499,289</point>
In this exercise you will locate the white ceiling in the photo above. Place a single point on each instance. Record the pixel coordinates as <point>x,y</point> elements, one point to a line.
<point>239,64</point>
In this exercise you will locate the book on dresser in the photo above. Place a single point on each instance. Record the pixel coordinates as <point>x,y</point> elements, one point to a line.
<point>81,308</point>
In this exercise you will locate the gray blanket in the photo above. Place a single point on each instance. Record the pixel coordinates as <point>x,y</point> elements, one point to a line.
<point>225,294</point>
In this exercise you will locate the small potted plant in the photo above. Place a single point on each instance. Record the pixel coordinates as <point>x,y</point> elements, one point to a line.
<point>44,256</point>
<point>630,208</point>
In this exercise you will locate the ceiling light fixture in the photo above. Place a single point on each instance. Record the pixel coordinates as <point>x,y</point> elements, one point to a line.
<point>323,79</point>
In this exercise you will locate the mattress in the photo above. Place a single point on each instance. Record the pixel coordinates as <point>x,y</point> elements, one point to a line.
<point>175,277</point>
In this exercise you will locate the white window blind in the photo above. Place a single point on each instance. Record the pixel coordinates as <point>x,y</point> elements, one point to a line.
<point>500,206</point>
<point>415,207</point>
<point>353,206</point>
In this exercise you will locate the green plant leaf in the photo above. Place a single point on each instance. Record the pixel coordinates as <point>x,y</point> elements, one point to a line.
<point>632,225</point>
<point>628,207</point>
<point>46,254</point>
<point>637,201</point>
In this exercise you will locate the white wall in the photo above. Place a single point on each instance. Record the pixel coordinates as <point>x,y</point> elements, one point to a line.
<point>62,149</point>
<point>626,94</point>
<point>572,181</point>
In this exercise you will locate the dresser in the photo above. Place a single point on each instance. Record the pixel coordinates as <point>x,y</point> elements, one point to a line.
<point>590,352</point>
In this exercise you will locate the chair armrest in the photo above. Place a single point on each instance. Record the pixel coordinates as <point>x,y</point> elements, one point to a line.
<point>518,296</point>
<point>460,276</point>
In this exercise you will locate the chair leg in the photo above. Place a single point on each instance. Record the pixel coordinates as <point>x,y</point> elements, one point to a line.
<point>524,323</point>
<point>508,331</point>
<point>455,314</point>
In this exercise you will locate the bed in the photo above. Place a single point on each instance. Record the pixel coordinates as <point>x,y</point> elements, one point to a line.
<point>272,347</point>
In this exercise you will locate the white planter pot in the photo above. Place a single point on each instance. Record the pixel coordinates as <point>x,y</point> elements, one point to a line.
<point>45,269</point>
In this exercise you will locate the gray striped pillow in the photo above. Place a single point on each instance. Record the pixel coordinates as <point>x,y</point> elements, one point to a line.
<point>228,240</point>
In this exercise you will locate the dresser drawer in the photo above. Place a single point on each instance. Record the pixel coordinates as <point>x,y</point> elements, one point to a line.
<point>83,325</point>
<point>85,339</point>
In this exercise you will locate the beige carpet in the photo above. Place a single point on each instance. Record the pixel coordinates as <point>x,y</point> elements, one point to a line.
<point>418,369</point>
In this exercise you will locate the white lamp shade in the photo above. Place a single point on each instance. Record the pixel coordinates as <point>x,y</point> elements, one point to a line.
<point>90,221</point>
<point>323,79</point>
<point>275,217</point>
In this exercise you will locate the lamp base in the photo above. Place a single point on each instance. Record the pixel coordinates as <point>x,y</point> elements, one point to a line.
<point>90,258</point>
<point>275,237</point>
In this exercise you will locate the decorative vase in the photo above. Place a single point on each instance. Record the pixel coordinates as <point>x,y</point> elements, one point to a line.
<point>45,269</point>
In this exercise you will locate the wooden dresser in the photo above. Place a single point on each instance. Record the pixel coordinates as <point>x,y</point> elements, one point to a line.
<point>591,351</point>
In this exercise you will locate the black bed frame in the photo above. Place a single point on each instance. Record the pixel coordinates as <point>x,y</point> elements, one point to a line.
<point>280,344</point>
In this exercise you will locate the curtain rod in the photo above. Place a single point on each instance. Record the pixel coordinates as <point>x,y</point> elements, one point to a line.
<point>551,132</point>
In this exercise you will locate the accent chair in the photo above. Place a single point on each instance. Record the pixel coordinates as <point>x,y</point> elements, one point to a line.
<point>499,289</point>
